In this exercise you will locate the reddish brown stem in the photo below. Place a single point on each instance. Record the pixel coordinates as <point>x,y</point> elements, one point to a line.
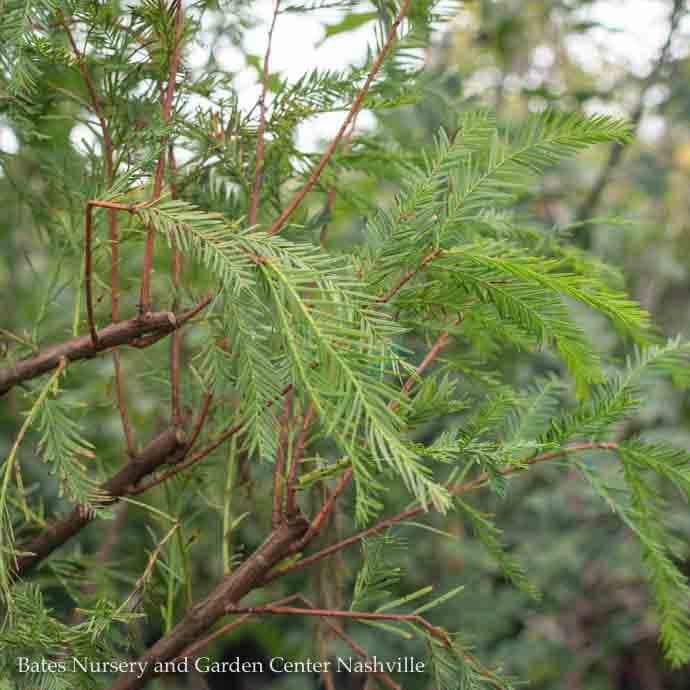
<point>191,460</point>
<point>113,234</point>
<point>333,190</point>
<point>259,155</point>
<point>457,490</point>
<point>88,276</point>
<point>298,454</point>
<point>352,113</point>
<point>130,208</point>
<point>191,651</point>
<point>95,101</point>
<point>429,358</point>
<point>164,448</point>
<point>130,332</point>
<point>381,676</point>
<point>176,339</point>
<point>201,418</point>
<point>326,509</point>
<point>438,633</point>
<point>281,455</point>
<point>88,260</point>
<point>166,113</point>
<point>389,294</point>
<point>175,355</point>
<point>193,648</point>
<point>122,405</point>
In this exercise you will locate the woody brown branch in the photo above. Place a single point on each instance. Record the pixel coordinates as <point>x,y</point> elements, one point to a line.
<point>208,611</point>
<point>113,234</point>
<point>320,520</point>
<point>456,490</point>
<point>355,107</point>
<point>188,462</point>
<point>297,455</point>
<point>279,467</point>
<point>194,648</point>
<point>176,339</point>
<point>136,332</point>
<point>167,447</point>
<point>439,633</point>
<point>167,94</point>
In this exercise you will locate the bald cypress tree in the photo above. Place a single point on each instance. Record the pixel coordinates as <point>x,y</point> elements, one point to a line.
<point>225,349</point>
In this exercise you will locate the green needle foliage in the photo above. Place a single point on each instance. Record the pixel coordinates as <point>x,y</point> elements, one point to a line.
<point>375,352</point>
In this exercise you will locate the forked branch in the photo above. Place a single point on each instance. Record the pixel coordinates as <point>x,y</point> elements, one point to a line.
<point>141,331</point>
<point>352,113</point>
<point>211,609</point>
<point>167,447</point>
<point>455,490</point>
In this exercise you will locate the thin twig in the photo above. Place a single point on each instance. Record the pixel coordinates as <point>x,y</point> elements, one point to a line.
<point>131,208</point>
<point>122,407</point>
<point>141,581</point>
<point>381,676</point>
<point>176,339</point>
<point>333,189</point>
<point>429,358</point>
<point>205,641</point>
<point>281,455</point>
<point>318,522</point>
<point>201,418</point>
<point>259,155</point>
<point>93,97</point>
<point>166,113</point>
<point>457,490</point>
<point>191,651</point>
<point>113,235</point>
<point>191,460</point>
<point>197,646</point>
<point>88,275</point>
<point>352,113</point>
<point>133,332</point>
<point>434,631</point>
<point>298,453</point>
<point>389,294</point>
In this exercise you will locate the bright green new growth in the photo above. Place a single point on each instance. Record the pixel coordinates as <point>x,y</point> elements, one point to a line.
<point>333,332</point>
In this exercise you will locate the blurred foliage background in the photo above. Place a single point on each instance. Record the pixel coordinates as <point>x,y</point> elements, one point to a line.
<point>594,628</point>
